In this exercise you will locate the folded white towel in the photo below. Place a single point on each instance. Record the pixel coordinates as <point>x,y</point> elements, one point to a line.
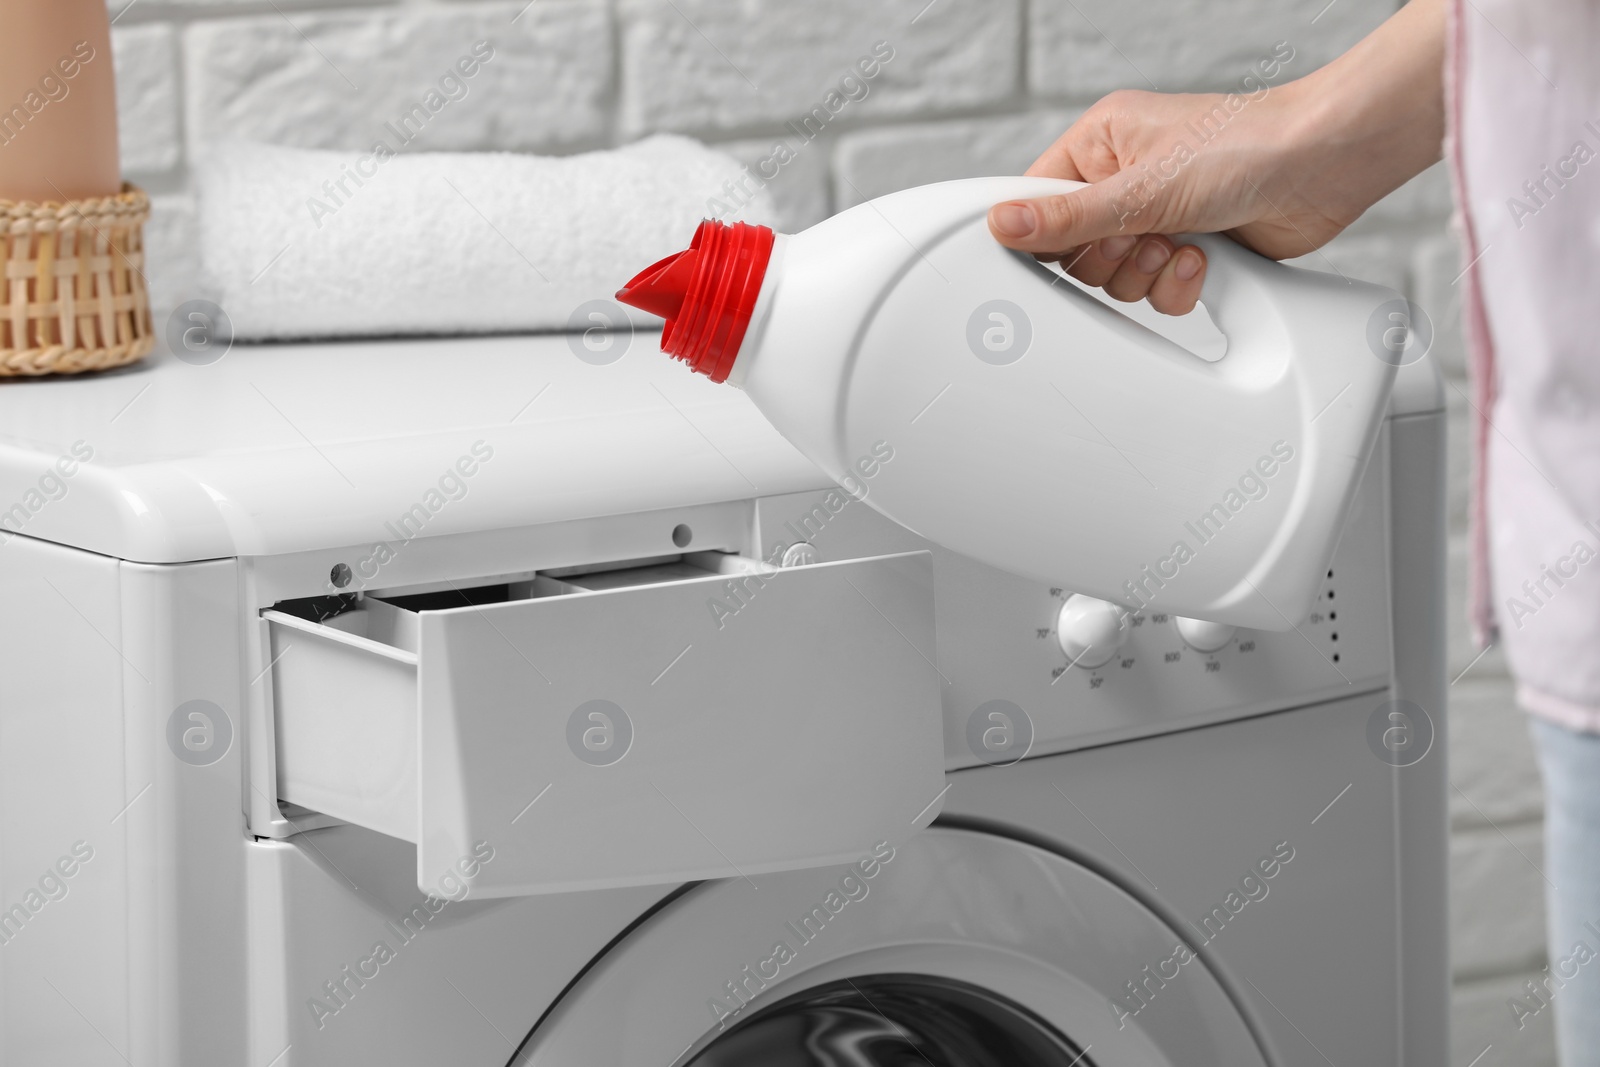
<point>305,243</point>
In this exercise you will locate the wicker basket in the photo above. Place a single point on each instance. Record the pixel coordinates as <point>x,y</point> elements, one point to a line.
<point>74,296</point>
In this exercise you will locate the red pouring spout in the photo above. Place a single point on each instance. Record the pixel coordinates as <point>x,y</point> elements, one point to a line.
<point>706,293</point>
<point>661,287</point>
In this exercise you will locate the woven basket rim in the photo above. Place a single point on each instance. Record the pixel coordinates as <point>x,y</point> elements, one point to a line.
<point>74,297</point>
<point>130,198</point>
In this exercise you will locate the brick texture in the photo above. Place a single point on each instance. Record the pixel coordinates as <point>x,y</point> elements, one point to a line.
<point>1087,50</point>
<point>870,163</point>
<point>147,98</point>
<point>1423,200</point>
<point>1481,1017</point>
<point>1357,255</point>
<point>1492,760</point>
<point>333,80</point>
<point>170,251</point>
<point>697,65</point>
<point>800,188</point>
<point>1436,265</point>
<point>1497,900</point>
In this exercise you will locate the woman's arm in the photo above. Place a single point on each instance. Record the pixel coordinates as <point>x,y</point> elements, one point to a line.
<point>1283,174</point>
<point>58,101</point>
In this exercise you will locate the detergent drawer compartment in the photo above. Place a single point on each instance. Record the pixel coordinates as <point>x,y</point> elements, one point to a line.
<point>702,719</point>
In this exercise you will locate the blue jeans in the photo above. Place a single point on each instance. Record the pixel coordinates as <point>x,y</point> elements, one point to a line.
<point>1571,765</point>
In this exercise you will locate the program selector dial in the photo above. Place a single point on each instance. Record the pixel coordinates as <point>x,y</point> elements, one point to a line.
<point>1205,636</point>
<point>1091,630</point>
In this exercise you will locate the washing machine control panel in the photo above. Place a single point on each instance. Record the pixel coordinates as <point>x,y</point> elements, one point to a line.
<point>1029,669</point>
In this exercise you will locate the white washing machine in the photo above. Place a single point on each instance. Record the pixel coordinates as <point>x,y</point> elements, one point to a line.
<point>508,702</point>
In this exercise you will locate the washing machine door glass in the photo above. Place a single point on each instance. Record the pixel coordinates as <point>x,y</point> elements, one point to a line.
<point>958,949</point>
<point>893,1021</point>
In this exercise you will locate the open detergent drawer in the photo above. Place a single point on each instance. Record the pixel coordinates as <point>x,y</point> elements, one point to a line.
<point>617,728</point>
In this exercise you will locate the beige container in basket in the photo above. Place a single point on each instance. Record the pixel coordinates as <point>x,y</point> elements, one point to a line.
<point>74,296</point>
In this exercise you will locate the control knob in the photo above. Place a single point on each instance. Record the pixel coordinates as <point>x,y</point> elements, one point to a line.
<point>1091,630</point>
<point>1205,636</point>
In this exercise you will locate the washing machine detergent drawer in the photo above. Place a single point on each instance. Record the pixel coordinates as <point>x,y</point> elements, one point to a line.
<point>622,728</point>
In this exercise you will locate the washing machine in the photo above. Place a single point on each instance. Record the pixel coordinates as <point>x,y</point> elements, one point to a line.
<point>528,700</point>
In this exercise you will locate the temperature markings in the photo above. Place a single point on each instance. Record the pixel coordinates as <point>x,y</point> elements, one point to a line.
<point>1171,657</point>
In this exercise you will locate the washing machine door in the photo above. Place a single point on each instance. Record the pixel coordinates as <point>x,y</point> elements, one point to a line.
<point>960,949</point>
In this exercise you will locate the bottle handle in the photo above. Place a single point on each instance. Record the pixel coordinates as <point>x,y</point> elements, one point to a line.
<point>1237,293</point>
<point>1274,317</point>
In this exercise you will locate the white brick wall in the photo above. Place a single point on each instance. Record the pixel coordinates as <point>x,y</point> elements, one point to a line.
<point>975,86</point>
<point>708,65</point>
<point>1087,50</point>
<point>147,97</point>
<point>331,80</point>
<point>871,162</point>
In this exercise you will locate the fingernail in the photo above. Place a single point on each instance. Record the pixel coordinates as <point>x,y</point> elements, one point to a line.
<point>1012,220</point>
<point>1152,257</point>
<point>1188,265</point>
<point>1116,247</point>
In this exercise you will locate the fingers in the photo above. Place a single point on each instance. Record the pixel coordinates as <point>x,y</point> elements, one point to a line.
<point>1101,233</point>
<point>1096,263</point>
<point>1087,150</point>
<point>1058,160</point>
<point>1082,153</point>
<point>1176,289</point>
<point>1137,268</point>
<point>1053,223</point>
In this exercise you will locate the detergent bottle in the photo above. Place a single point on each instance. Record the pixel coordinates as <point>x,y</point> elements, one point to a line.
<point>988,404</point>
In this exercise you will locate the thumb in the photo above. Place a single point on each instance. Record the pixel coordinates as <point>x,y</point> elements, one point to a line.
<point>1056,224</point>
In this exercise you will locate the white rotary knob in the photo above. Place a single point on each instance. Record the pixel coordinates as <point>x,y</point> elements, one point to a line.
<point>1091,630</point>
<point>1205,636</point>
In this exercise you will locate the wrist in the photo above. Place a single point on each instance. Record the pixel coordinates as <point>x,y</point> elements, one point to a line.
<point>1302,117</point>
<point>1374,117</point>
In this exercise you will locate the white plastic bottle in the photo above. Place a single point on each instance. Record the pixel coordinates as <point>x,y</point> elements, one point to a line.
<point>1007,415</point>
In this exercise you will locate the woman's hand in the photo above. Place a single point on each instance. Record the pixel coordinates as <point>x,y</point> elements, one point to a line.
<point>1281,170</point>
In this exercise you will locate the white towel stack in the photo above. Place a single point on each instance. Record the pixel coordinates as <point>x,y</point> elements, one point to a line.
<point>301,243</point>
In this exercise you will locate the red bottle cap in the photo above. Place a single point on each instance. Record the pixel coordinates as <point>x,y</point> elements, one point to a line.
<point>707,294</point>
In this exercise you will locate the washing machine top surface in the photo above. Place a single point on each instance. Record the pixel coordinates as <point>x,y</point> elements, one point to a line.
<point>284,448</point>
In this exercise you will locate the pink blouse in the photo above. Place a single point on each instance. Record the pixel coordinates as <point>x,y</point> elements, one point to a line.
<point>1523,88</point>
